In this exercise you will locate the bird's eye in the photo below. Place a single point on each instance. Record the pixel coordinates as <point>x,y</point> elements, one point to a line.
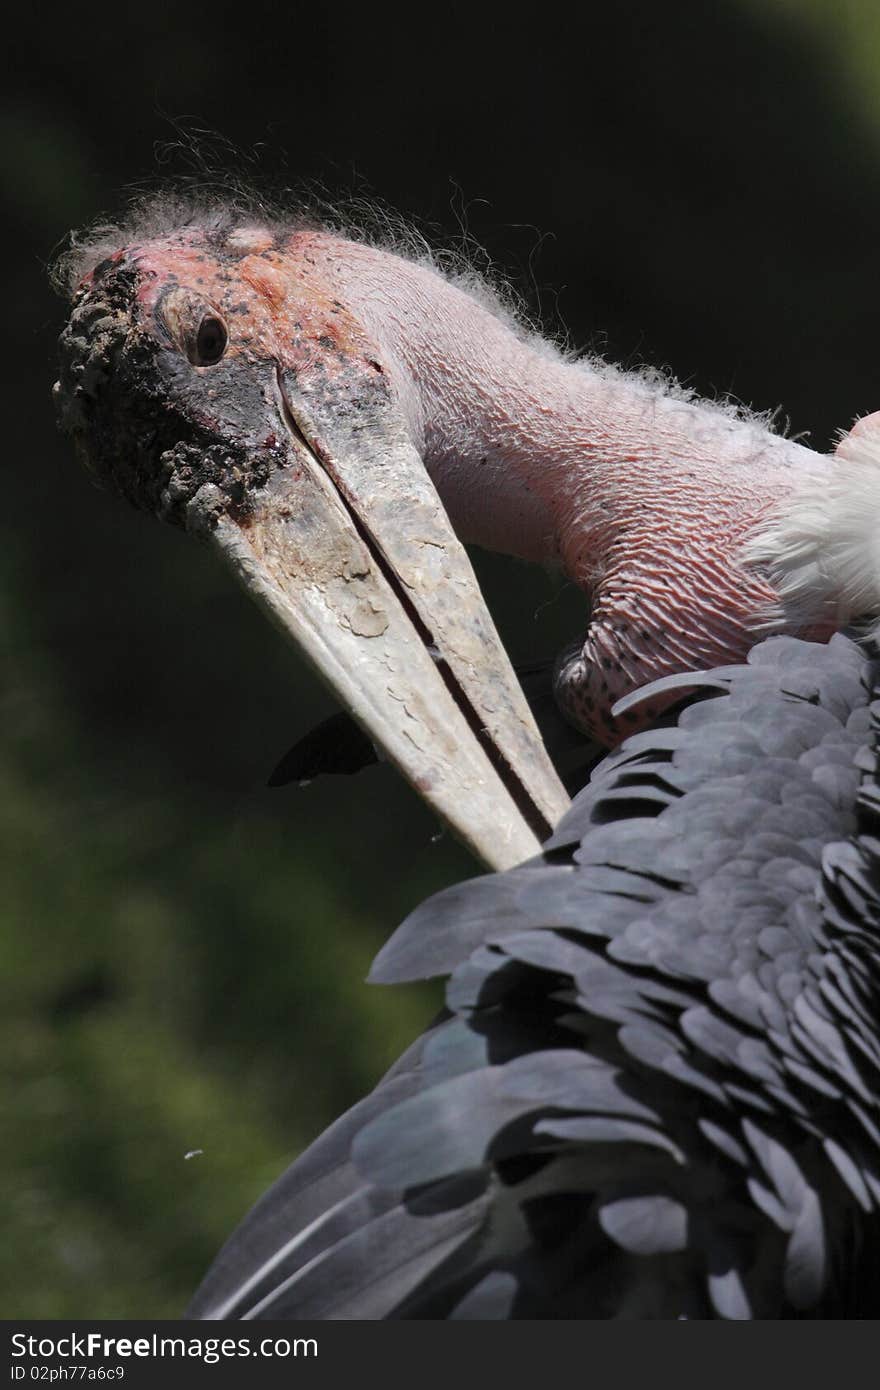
<point>211,341</point>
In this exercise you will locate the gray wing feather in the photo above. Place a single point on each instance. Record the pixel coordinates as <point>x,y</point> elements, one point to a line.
<point>657,1095</point>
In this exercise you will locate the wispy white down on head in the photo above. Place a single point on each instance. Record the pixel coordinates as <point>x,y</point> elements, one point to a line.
<point>821,547</point>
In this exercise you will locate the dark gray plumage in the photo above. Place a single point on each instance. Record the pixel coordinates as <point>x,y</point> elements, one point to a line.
<point>655,1092</point>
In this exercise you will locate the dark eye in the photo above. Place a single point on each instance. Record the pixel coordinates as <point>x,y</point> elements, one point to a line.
<point>211,341</point>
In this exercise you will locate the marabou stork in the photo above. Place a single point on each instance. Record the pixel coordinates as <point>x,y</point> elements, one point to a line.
<point>654,1090</point>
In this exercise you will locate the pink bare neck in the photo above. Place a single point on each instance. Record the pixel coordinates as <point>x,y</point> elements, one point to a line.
<point>540,457</point>
<point>643,497</point>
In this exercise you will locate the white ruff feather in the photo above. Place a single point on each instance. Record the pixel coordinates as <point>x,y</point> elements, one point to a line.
<point>821,551</point>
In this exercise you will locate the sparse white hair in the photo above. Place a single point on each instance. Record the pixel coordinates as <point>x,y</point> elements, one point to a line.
<point>218,207</point>
<point>217,204</point>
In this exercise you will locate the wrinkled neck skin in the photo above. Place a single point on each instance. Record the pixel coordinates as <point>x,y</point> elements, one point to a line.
<point>553,461</point>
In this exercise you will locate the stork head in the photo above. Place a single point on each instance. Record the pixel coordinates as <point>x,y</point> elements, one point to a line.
<point>211,375</point>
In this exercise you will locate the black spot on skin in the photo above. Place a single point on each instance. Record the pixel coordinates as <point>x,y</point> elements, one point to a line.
<point>327,343</point>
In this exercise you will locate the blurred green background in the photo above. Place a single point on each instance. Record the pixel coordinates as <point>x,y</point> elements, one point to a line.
<point>183,950</point>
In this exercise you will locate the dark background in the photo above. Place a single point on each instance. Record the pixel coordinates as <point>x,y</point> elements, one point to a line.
<point>182,950</point>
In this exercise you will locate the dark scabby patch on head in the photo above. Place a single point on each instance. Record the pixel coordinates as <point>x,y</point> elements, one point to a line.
<point>149,425</point>
<point>90,342</point>
<point>119,281</point>
<point>189,466</point>
<point>102,268</point>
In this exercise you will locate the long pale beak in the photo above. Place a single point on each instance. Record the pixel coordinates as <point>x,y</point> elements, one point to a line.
<point>350,550</point>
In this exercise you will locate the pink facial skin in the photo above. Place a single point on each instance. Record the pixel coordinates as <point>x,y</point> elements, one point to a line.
<point>644,499</point>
